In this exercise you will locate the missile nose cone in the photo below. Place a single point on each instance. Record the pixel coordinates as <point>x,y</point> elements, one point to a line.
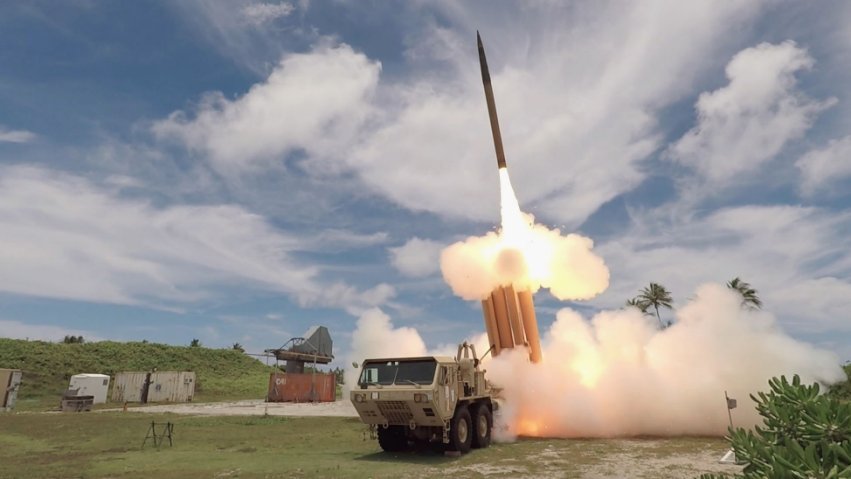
<point>483,62</point>
<point>486,79</point>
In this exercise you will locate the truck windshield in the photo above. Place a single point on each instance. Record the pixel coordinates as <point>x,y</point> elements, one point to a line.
<point>398,372</point>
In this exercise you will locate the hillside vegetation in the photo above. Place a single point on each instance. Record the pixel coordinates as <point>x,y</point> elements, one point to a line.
<point>221,374</point>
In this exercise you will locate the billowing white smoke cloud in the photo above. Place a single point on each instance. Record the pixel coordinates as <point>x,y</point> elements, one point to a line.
<point>376,337</point>
<point>619,376</point>
<point>525,254</point>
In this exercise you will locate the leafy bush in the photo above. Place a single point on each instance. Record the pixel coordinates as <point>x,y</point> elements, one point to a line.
<point>804,435</point>
<point>842,390</point>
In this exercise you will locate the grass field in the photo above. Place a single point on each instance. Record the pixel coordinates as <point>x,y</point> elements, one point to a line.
<point>222,374</point>
<point>108,444</point>
<point>102,445</point>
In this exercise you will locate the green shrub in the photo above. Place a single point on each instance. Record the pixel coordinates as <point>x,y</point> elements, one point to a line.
<point>804,435</point>
<point>842,390</point>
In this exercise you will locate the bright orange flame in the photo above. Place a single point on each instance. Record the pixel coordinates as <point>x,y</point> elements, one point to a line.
<point>529,427</point>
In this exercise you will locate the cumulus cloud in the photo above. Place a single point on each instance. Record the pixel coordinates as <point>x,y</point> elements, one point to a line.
<point>417,257</point>
<point>822,168</point>
<point>42,332</point>
<point>15,136</point>
<point>375,336</point>
<point>557,120</point>
<point>746,123</point>
<point>262,13</point>
<point>426,143</point>
<point>794,256</point>
<point>65,237</point>
<point>312,102</point>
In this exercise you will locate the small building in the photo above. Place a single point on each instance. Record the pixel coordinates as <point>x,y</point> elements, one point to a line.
<point>159,386</point>
<point>95,385</point>
<point>10,382</point>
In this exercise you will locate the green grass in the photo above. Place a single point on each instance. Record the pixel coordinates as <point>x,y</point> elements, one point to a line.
<point>101,445</point>
<point>221,374</point>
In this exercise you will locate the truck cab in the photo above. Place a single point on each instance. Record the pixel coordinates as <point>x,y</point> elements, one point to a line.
<point>438,399</point>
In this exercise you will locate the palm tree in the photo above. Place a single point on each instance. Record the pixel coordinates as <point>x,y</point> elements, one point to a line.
<point>637,303</point>
<point>656,295</point>
<point>749,296</point>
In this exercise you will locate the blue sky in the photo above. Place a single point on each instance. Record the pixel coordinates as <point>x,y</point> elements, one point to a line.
<point>237,171</point>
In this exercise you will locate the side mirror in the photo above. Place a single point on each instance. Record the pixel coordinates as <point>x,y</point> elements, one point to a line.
<point>354,365</point>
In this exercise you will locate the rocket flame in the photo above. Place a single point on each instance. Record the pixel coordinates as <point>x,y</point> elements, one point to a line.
<point>524,254</point>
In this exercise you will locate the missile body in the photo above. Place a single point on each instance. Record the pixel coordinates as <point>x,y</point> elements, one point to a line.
<point>486,79</point>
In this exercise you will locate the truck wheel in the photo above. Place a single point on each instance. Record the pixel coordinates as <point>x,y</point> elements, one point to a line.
<point>461,434</point>
<point>392,439</point>
<point>482,425</point>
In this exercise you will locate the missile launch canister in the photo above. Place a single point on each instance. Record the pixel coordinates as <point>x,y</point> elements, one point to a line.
<point>486,79</point>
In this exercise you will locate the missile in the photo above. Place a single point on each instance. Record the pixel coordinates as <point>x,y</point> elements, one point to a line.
<point>486,79</point>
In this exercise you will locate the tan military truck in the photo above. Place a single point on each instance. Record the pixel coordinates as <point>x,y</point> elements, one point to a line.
<point>432,399</point>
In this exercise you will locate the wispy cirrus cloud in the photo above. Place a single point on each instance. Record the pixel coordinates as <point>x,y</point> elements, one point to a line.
<point>67,237</point>
<point>823,169</point>
<point>263,13</point>
<point>417,257</point>
<point>16,136</point>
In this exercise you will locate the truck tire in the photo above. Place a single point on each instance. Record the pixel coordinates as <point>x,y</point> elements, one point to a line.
<point>461,432</point>
<point>392,438</point>
<point>482,426</point>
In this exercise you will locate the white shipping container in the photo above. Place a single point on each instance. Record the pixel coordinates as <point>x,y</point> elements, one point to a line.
<point>171,386</point>
<point>130,387</point>
<point>95,385</point>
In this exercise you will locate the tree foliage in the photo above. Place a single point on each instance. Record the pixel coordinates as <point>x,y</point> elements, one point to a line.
<point>657,296</point>
<point>340,375</point>
<point>804,435</point>
<point>750,298</point>
<point>238,347</point>
<point>195,343</point>
<point>73,340</point>
<point>637,303</point>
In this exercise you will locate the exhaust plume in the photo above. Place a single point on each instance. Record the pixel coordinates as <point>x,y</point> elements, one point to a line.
<point>618,375</point>
<point>524,254</point>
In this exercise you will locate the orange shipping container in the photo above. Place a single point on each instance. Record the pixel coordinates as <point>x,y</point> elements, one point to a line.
<point>302,387</point>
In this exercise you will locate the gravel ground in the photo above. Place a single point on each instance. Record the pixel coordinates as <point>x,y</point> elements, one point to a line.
<point>253,407</point>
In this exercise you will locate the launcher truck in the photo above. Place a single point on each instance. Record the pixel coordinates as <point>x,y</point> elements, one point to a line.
<point>442,400</point>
